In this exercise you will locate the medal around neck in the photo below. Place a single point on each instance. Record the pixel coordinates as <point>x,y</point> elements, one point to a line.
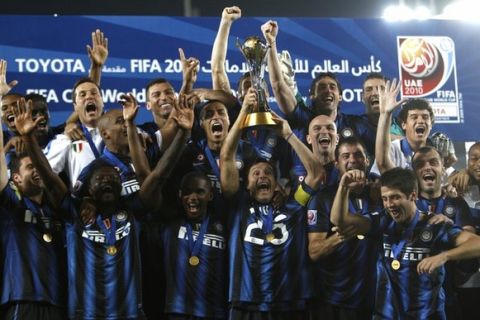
<point>270,237</point>
<point>194,261</point>
<point>47,237</point>
<point>111,250</point>
<point>395,264</point>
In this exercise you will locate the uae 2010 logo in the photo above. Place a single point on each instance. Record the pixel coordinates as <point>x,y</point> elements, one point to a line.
<point>427,70</point>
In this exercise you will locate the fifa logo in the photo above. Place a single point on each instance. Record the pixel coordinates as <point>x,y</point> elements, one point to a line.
<point>427,69</point>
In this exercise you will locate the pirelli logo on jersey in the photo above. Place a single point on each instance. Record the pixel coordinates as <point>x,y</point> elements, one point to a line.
<point>129,187</point>
<point>209,240</point>
<point>99,237</point>
<point>408,254</point>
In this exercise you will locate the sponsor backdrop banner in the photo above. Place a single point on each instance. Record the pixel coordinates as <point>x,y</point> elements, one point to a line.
<point>436,60</point>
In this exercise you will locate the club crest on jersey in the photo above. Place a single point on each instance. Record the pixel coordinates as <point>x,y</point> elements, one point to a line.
<point>218,227</point>
<point>121,216</point>
<point>449,211</point>
<point>312,217</point>
<point>271,142</point>
<point>200,157</point>
<point>347,132</point>
<point>426,235</point>
<point>239,164</point>
<point>77,146</point>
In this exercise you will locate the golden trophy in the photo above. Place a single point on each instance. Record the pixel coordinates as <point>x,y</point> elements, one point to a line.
<point>255,52</point>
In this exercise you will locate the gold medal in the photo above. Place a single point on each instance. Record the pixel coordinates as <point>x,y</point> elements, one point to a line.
<point>360,236</point>
<point>395,264</point>
<point>112,250</point>
<point>47,237</point>
<point>193,261</point>
<point>270,237</point>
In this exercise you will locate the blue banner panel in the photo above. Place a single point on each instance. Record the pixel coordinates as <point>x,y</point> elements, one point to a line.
<point>434,59</point>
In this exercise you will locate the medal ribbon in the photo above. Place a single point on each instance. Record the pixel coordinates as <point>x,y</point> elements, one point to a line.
<point>435,206</point>
<point>109,232</point>
<point>38,212</point>
<point>363,205</point>
<point>196,245</point>
<point>116,162</point>
<point>267,219</point>
<point>88,136</point>
<point>406,149</point>
<point>398,247</point>
<point>212,162</point>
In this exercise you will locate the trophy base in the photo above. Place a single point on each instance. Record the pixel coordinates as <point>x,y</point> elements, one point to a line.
<point>259,119</point>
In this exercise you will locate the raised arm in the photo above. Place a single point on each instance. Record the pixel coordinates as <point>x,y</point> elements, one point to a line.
<point>226,98</point>
<point>219,50</point>
<point>340,215</point>
<point>97,54</point>
<point>229,175</point>
<point>25,126</point>
<point>4,86</point>
<point>151,189</point>
<point>388,103</point>
<point>281,90</point>
<point>135,145</point>
<point>315,170</point>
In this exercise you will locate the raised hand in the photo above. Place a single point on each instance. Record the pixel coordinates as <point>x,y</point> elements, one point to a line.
<point>270,31</point>
<point>4,86</point>
<point>388,96</point>
<point>282,127</point>
<point>353,178</point>
<point>250,101</point>
<point>98,52</point>
<point>130,106</point>
<point>231,14</point>
<point>23,118</point>
<point>184,107</point>
<point>190,67</point>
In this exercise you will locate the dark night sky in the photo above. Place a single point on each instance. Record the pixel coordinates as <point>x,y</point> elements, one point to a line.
<point>307,8</point>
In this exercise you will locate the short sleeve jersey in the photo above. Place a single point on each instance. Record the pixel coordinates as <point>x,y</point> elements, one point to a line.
<point>403,293</point>
<point>32,251</point>
<point>104,284</point>
<point>268,274</point>
<point>196,290</point>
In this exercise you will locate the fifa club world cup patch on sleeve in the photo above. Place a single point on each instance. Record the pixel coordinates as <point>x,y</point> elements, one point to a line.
<point>312,217</point>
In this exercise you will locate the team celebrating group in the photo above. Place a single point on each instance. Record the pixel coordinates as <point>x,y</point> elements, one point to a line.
<point>325,215</point>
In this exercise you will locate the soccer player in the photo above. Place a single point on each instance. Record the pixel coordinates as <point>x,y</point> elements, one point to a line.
<point>351,259</point>
<point>412,250</point>
<point>195,255</point>
<point>103,257</point>
<point>325,96</point>
<point>269,277</point>
<point>417,121</point>
<point>428,166</point>
<point>33,277</point>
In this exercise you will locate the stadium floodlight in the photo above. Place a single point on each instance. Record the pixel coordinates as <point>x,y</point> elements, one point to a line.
<point>461,10</point>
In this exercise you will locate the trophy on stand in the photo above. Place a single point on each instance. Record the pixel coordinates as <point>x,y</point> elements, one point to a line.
<point>255,52</point>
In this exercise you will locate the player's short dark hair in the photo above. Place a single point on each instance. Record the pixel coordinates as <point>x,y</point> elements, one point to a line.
<point>322,75</point>
<point>79,82</point>
<point>473,146</point>
<point>425,150</point>
<point>353,140</point>
<point>374,75</point>
<point>14,94</point>
<point>202,106</point>
<point>193,175</point>
<point>15,162</point>
<point>415,104</point>
<point>157,81</point>
<point>401,179</point>
<point>256,161</point>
